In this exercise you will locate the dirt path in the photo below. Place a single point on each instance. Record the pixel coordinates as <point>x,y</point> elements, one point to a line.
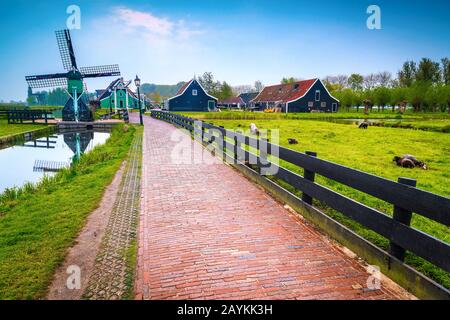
<point>83,253</point>
<point>206,232</point>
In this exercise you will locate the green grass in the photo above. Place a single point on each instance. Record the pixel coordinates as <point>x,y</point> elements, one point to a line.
<point>13,129</point>
<point>371,151</point>
<point>39,223</point>
<point>241,115</point>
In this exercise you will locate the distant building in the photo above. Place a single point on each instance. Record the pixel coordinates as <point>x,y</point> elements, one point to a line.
<point>118,95</point>
<point>247,97</point>
<point>301,96</point>
<point>232,103</point>
<point>192,97</point>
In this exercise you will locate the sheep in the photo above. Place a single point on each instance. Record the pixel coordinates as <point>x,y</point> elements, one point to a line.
<point>292,141</point>
<point>254,129</point>
<point>409,161</point>
<point>363,125</point>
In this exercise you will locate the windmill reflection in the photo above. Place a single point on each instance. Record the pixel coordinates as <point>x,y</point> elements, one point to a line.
<point>78,142</point>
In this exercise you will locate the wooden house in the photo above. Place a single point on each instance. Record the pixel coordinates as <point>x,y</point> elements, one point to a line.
<point>192,97</point>
<point>118,95</point>
<point>301,96</point>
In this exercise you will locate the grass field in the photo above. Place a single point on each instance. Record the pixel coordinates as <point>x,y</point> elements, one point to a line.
<point>39,223</point>
<point>241,115</point>
<point>13,129</point>
<point>371,151</point>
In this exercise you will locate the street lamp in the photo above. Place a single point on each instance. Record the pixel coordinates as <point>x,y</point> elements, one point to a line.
<point>137,83</point>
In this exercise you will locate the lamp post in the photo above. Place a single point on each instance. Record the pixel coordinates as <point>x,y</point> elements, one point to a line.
<point>137,82</point>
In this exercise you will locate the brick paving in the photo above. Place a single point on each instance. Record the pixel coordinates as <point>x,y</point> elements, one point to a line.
<point>112,278</point>
<point>206,232</point>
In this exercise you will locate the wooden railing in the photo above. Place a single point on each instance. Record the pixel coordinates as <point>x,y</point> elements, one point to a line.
<point>403,195</point>
<point>27,116</point>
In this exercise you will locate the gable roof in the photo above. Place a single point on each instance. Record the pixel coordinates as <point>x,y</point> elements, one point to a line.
<point>285,92</point>
<point>184,87</point>
<point>106,93</point>
<point>248,96</point>
<point>187,85</point>
<point>233,100</point>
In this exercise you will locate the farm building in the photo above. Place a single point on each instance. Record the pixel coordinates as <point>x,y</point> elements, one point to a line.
<point>232,103</point>
<point>247,97</point>
<point>192,97</point>
<point>118,95</point>
<point>301,96</point>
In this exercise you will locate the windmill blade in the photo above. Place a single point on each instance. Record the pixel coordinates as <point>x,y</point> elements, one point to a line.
<point>100,71</point>
<point>66,49</point>
<point>47,80</point>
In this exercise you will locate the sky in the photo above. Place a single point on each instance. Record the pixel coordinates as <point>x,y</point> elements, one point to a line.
<point>239,41</point>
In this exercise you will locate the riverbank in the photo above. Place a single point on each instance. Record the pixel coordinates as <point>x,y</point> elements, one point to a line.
<point>39,223</point>
<point>13,133</point>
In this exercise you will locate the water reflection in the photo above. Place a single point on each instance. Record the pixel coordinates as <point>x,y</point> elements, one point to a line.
<point>30,161</point>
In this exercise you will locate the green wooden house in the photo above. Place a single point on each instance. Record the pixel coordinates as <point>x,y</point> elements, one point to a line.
<point>118,95</point>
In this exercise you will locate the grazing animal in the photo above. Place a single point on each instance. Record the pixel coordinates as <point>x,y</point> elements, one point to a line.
<point>409,161</point>
<point>292,141</point>
<point>254,129</point>
<point>363,125</point>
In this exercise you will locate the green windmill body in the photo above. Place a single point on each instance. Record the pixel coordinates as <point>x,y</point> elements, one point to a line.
<point>75,108</point>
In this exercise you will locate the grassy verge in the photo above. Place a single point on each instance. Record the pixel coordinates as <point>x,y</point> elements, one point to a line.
<point>14,129</point>
<point>371,151</point>
<point>39,223</point>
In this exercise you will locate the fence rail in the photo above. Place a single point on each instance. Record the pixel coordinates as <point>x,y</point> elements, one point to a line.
<point>26,116</point>
<point>403,195</point>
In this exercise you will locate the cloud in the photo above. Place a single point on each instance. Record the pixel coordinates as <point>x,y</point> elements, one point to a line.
<point>154,27</point>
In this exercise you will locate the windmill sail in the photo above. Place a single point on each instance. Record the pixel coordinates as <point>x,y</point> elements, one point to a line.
<point>100,71</point>
<point>47,80</point>
<point>66,49</point>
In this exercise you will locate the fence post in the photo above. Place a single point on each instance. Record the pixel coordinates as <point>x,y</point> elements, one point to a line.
<point>402,216</point>
<point>309,175</point>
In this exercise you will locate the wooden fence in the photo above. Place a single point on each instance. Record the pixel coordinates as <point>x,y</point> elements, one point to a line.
<point>403,195</point>
<point>27,116</point>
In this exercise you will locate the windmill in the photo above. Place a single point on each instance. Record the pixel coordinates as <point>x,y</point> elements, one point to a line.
<point>75,108</point>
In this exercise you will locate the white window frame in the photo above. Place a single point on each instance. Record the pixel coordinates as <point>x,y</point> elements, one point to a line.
<point>315,97</point>
<point>194,92</point>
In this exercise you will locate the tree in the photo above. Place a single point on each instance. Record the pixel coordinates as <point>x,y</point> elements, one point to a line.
<point>431,98</point>
<point>399,96</point>
<point>407,75</point>
<point>370,81</point>
<point>416,94</point>
<point>384,78</point>
<point>444,97</point>
<point>225,91</point>
<point>382,97</point>
<point>428,71</point>
<point>288,80</point>
<point>355,81</point>
<point>259,86</point>
<point>346,97</point>
<point>208,83</point>
<point>446,70</point>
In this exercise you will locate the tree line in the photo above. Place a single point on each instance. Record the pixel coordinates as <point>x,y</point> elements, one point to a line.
<point>424,85</point>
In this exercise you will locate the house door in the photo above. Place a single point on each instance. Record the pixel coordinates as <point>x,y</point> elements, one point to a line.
<point>211,105</point>
<point>334,107</point>
<point>121,104</point>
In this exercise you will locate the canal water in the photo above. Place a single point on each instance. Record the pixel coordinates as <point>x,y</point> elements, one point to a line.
<point>30,161</point>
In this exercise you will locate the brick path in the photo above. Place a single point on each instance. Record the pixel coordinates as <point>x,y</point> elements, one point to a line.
<point>206,232</point>
<point>113,274</point>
